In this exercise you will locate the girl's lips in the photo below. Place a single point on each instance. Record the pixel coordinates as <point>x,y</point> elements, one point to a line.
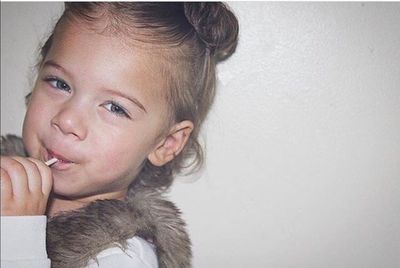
<point>61,159</point>
<point>63,163</point>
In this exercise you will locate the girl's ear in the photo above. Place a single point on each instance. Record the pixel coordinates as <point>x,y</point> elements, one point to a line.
<point>28,98</point>
<point>172,144</point>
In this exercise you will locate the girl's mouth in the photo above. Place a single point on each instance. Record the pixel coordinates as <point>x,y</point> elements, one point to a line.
<point>62,163</point>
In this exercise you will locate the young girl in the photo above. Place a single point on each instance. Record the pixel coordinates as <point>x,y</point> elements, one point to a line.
<point>121,92</point>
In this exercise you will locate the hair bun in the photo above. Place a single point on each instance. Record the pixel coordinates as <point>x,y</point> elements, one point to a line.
<point>215,25</point>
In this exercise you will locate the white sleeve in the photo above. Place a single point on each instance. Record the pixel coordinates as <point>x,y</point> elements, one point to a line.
<point>139,254</point>
<point>23,242</point>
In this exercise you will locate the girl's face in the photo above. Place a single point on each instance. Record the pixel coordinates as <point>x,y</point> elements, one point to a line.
<point>98,107</point>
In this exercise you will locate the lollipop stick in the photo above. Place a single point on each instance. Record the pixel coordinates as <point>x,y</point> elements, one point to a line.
<point>51,161</point>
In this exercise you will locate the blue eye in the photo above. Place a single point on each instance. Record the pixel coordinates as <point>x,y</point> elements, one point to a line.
<point>58,84</point>
<point>116,109</point>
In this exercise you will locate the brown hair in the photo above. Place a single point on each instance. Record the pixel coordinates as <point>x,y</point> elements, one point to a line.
<point>195,37</point>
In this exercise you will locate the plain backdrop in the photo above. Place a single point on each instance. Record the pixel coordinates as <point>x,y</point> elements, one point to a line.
<point>303,143</point>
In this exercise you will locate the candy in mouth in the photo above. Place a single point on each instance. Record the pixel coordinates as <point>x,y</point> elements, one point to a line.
<point>51,161</point>
<point>59,158</point>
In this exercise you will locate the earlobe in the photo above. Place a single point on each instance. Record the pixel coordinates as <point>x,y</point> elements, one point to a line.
<point>170,146</point>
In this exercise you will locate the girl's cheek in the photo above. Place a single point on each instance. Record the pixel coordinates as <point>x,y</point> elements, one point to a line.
<point>37,110</point>
<point>114,165</point>
<point>120,152</point>
<point>45,92</point>
<point>37,100</point>
<point>45,99</point>
<point>107,119</point>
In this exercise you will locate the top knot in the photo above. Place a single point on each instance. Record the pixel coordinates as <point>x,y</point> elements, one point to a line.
<point>215,25</point>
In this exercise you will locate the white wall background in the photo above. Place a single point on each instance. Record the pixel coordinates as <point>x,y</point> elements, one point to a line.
<point>303,141</point>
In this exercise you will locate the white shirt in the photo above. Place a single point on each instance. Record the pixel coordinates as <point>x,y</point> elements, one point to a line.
<point>23,245</point>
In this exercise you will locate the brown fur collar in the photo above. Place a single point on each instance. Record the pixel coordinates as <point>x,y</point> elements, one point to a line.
<point>76,237</point>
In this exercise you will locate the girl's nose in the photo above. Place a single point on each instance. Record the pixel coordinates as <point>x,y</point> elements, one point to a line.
<point>70,121</point>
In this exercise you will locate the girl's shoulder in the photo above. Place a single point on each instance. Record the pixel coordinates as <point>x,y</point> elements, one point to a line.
<point>138,253</point>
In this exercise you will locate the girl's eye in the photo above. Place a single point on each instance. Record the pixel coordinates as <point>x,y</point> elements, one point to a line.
<point>116,109</point>
<point>58,84</point>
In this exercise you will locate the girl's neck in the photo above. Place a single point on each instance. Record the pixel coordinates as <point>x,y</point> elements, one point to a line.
<point>58,204</point>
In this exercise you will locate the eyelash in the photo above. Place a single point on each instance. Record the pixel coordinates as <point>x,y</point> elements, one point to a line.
<point>62,85</point>
<point>121,110</point>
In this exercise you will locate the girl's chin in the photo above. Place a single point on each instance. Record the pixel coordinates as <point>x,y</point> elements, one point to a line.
<point>62,192</point>
<point>64,188</point>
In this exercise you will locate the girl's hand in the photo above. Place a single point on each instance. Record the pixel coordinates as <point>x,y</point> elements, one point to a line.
<point>25,186</point>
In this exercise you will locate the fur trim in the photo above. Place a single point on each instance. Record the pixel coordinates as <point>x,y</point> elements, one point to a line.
<point>76,237</point>
<point>12,145</point>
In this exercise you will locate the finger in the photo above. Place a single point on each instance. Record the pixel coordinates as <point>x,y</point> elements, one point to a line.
<point>34,176</point>
<point>18,176</point>
<point>46,175</point>
<point>6,186</point>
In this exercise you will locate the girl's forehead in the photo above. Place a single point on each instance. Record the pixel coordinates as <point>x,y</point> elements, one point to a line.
<point>104,26</point>
<point>70,27</point>
<point>125,38</point>
<point>100,33</point>
<point>83,49</point>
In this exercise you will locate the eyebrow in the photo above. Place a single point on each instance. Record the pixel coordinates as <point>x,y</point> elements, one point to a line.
<point>52,63</point>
